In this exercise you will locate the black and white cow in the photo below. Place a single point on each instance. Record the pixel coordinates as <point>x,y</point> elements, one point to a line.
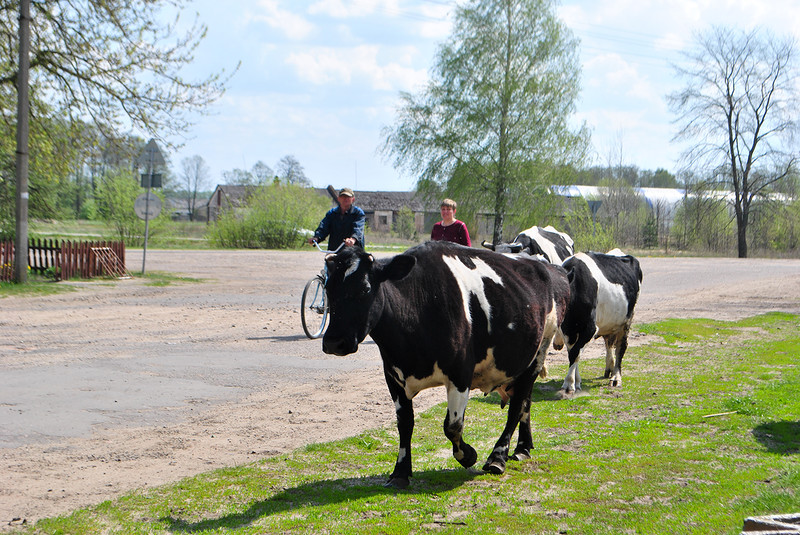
<point>604,289</point>
<point>443,314</point>
<point>552,245</point>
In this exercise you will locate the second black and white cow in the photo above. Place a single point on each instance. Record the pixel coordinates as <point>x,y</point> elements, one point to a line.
<point>604,289</point>
<point>443,314</point>
<point>549,243</point>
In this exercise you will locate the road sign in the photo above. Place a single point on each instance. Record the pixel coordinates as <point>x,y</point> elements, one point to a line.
<point>147,208</point>
<point>151,181</point>
<point>151,156</point>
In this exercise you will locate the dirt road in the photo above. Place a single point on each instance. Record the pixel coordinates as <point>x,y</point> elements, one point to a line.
<point>121,385</point>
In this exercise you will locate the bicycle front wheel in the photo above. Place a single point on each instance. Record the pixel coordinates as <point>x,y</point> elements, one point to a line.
<point>314,308</point>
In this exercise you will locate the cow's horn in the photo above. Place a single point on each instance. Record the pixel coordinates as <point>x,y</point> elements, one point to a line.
<point>488,245</point>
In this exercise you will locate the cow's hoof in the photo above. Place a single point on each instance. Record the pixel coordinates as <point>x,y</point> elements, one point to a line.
<point>495,467</point>
<point>616,381</point>
<point>397,483</point>
<point>470,456</point>
<point>607,374</point>
<point>520,455</point>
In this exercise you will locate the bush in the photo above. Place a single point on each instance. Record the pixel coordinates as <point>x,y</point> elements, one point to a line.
<point>404,226</point>
<point>278,216</point>
<point>587,234</point>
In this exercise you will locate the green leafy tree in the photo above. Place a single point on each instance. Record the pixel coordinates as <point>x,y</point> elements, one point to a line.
<point>492,123</point>
<point>116,195</point>
<point>739,110</point>
<point>404,225</point>
<point>112,62</point>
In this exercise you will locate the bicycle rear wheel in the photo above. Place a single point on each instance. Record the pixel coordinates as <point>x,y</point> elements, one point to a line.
<point>314,308</point>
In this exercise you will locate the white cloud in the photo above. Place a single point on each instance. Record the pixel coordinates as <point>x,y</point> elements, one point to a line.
<point>612,74</point>
<point>292,25</point>
<point>351,8</point>
<point>343,66</point>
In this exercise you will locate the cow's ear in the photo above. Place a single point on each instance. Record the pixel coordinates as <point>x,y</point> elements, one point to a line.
<point>397,268</point>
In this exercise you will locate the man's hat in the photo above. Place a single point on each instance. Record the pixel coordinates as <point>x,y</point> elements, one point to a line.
<point>347,192</point>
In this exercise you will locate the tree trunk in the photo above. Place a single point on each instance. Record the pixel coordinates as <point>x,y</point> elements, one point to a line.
<point>741,235</point>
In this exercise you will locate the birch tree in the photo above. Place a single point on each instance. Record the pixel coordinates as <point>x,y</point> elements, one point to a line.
<point>492,124</point>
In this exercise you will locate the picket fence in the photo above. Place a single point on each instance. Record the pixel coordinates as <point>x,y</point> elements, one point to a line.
<point>65,259</point>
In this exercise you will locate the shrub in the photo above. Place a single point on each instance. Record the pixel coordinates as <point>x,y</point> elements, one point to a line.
<point>277,216</point>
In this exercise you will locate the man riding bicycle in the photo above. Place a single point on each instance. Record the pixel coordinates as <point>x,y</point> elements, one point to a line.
<point>343,223</point>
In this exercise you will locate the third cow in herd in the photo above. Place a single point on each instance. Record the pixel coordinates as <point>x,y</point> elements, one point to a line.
<point>544,242</point>
<point>604,289</point>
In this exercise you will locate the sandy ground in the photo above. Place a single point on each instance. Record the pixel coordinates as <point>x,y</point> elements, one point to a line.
<point>123,385</point>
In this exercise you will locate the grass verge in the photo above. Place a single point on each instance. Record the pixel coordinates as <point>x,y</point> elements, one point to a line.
<point>703,433</point>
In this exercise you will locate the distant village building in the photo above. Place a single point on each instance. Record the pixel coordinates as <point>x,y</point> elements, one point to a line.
<point>226,197</point>
<point>382,208</point>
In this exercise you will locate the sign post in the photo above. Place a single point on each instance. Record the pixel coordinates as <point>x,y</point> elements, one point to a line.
<point>150,158</point>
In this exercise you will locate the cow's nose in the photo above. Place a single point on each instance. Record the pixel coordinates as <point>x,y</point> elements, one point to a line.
<point>338,346</point>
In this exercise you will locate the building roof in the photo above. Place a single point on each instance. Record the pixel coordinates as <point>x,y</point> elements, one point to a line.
<point>369,201</point>
<point>668,197</point>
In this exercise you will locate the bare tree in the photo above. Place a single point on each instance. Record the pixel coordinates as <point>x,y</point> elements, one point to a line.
<point>194,178</point>
<point>739,110</point>
<point>263,173</point>
<point>291,172</point>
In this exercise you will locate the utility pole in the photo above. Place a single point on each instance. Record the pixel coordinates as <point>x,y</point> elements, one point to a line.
<point>23,107</point>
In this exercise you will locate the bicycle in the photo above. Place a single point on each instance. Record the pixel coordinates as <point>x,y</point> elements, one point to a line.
<point>314,303</point>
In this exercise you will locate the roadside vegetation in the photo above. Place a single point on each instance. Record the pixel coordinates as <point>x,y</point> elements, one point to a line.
<point>703,434</point>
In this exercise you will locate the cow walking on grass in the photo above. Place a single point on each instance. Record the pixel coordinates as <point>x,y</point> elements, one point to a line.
<point>443,314</point>
<point>604,289</point>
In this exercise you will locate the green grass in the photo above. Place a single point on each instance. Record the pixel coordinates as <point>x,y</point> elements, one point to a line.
<point>657,455</point>
<point>35,286</point>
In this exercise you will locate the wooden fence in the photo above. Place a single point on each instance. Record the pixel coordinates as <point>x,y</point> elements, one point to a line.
<point>66,259</point>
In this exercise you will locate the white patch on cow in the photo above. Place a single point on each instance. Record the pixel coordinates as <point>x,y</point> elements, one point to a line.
<point>546,245</point>
<point>470,282</point>
<point>486,376</point>
<point>414,385</point>
<point>567,238</point>
<point>612,305</point>
<point>616,251</point>
<point>457,404</point>
<point>397,406</point>
<point>353,268</point>
<point>550,322</point>
<point>511,326</point>
<point>401,455</point>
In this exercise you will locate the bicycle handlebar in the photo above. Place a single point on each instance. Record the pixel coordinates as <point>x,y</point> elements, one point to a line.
<point>321,250</point>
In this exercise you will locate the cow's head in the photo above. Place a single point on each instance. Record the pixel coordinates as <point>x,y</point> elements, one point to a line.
<point>353,287</point>
<point>503,247</point>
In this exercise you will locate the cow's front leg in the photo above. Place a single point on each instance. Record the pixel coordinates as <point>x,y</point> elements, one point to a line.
<point>518,411</point>
<point>404,409</point>
<point>454,426</point>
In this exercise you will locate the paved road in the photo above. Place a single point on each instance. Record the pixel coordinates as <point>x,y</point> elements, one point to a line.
<point>127,354</point>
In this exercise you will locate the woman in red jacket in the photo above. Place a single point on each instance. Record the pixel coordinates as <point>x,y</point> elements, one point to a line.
<point>450,228</point>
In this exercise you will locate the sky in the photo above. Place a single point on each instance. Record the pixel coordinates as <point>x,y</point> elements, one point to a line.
<point>320,79</point>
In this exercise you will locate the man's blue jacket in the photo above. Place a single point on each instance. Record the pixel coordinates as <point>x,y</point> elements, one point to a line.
<point>340,225</point>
